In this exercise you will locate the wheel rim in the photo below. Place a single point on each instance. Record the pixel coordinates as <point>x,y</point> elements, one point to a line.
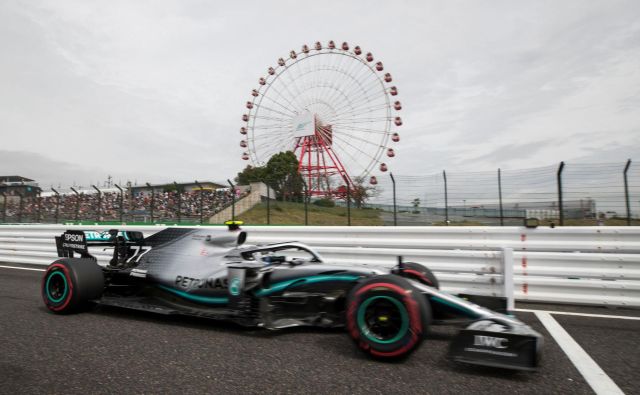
<point>56,287</point>
<point>383,319</point>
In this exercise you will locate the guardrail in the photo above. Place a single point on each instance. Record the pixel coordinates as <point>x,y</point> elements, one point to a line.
<point>584,265</point>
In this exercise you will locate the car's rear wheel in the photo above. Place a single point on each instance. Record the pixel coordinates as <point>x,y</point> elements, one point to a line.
<point>68,284</point>
<point>386,317</point>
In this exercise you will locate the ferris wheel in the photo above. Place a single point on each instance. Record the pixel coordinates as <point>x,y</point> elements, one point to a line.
<point>334,107</point>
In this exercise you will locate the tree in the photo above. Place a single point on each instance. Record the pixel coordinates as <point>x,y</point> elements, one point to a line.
<point>416,205</point>
<point>251,174</point>
<point>361,192</point>
<point>280,173</point>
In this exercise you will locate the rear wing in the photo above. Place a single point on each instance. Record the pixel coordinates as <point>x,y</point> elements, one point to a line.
<point>126,244</point>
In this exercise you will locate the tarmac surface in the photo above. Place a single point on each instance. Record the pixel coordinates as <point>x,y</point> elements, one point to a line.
<point>108,350</point>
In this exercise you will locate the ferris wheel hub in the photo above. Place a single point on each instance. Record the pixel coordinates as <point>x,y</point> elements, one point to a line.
<point>304,124</point>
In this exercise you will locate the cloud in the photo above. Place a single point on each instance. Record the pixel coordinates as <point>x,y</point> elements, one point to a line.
<point>57,173</point>
<point>155,90</point>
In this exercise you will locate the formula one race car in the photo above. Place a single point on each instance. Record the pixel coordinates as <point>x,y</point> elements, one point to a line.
<point>207,272</point>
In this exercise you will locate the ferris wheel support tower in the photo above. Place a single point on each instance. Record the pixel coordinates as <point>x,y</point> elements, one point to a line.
<point>318,164</point>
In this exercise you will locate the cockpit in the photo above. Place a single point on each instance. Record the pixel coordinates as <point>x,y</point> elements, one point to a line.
<point>290,253</point>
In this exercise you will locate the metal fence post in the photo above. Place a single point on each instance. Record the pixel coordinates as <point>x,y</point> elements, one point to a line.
<point>268,205</point>
<point>201,202</point>
<point>233,200</point>
<point>446,199</point>
<point>39,203</point>
<point>395,207</point>
<point>57,204</point>
<point>99,201</point>
<point>20,207</point>
<point>626,192</point>
<point>179,192</point>
<point>121,201</point>
<point>4,207</point>
<point>77,203</point>
<point>559,177</point>
<point>290,178</point>
<point>348,203</point>
<point>153,199</point>
<point>500,197</point>
<point>131,205</point>
<point>306,201</point>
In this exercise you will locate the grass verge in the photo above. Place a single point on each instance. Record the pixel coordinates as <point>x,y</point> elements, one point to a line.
<point>287,213</point>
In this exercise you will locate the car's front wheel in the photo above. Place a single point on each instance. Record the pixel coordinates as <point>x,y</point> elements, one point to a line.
<point>420,273</point>
<point>386,317</point>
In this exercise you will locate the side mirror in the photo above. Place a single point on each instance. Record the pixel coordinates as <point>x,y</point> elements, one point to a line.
<point>134,236</point>
<point>242,237</point>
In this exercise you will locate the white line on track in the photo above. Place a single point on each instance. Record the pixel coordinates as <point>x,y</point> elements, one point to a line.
<point>620,317</point>
<point>22,268</point>
<point>593,374</point>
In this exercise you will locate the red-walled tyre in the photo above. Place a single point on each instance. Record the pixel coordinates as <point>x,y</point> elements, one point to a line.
<point>386,317</point>
<point>420,273</point>
<point>68,284</point>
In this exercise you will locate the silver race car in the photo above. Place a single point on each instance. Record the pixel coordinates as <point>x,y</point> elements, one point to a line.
<point>209,272</point>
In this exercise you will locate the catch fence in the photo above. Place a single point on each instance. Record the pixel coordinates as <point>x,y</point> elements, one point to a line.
<point>574,194</point>
<point>564,194</point>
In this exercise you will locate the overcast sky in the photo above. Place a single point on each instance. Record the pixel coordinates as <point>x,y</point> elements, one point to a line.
<point>154,90</point>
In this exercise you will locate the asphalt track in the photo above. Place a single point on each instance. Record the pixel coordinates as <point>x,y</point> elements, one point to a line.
<point>109,350</point>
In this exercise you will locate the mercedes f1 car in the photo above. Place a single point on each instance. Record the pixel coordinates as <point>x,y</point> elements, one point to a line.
<point>209,272</point>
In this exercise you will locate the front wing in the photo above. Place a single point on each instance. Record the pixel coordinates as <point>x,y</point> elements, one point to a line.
<point>492,339</point>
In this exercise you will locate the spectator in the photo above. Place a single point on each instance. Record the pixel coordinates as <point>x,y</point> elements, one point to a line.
<point>135,208</point>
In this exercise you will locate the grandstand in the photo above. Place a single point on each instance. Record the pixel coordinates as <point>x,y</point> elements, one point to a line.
<point>184,202</point>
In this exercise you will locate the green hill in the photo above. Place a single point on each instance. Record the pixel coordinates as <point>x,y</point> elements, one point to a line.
<point>287,213</point>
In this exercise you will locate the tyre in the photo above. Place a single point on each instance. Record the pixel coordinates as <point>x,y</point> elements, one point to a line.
<point>420,273</point>
<point>68,284</point>
<point>386,317</point>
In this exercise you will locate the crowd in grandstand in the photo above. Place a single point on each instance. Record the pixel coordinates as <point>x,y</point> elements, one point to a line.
<point>138,207</point>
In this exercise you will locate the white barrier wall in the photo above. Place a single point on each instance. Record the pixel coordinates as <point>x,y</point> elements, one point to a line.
<point>585,265</point>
